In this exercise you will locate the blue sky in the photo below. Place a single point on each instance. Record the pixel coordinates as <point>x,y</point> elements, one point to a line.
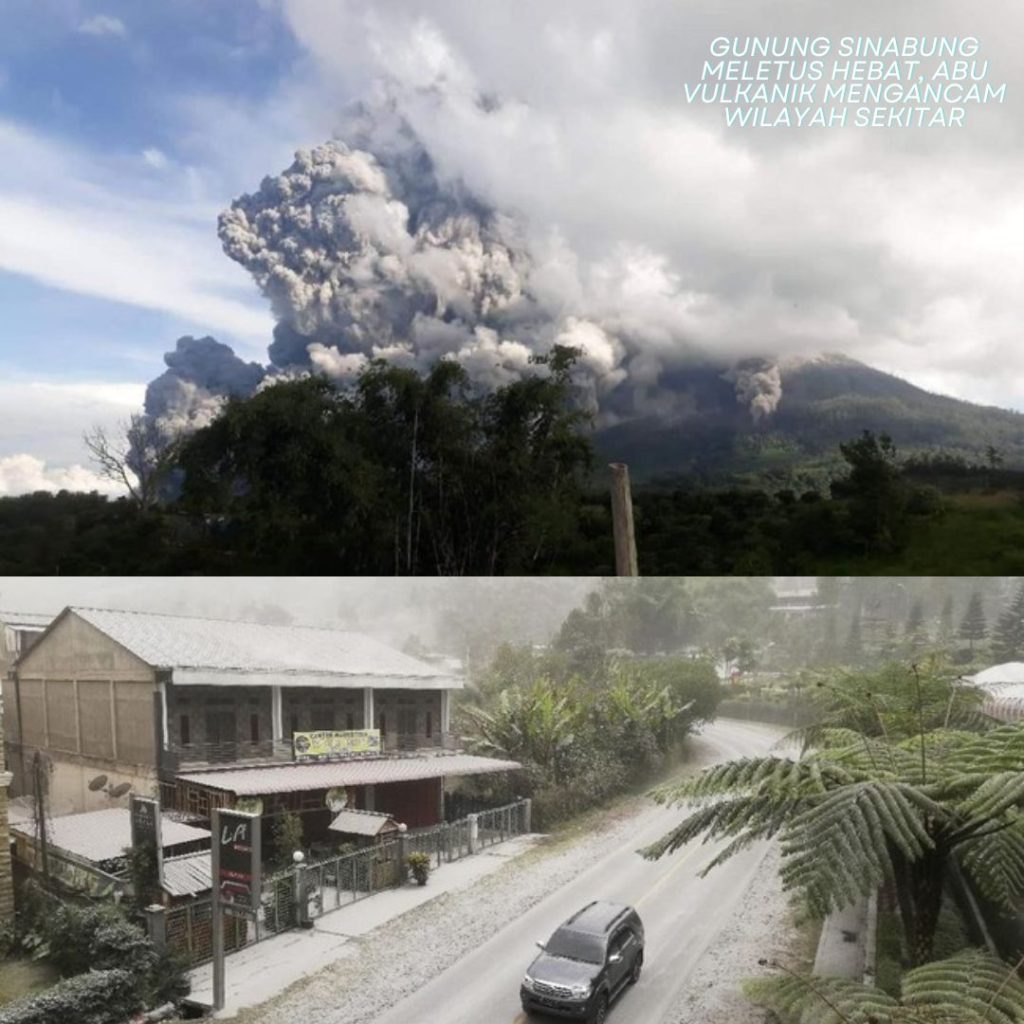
<point>126,126</point>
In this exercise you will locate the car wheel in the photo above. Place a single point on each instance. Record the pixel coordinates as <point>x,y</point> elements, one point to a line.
<point>601,1011</point>
<point>634,975</point>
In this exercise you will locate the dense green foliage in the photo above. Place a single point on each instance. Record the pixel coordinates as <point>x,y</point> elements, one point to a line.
<point>605,707</point>
<point>403,473</point>
<point>99,997</point>
<point>109,965</point>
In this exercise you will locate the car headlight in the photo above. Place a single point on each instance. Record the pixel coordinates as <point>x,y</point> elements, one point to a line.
<point>581,991</point>
<point>528,983</point>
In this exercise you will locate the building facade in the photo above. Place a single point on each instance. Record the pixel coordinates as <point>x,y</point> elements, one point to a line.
<point>204,714</point>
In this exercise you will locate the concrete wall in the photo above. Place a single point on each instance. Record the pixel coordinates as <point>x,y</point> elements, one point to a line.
<point>88,704</point>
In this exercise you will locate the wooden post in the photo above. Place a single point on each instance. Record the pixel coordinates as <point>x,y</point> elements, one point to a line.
<point>622,521</point>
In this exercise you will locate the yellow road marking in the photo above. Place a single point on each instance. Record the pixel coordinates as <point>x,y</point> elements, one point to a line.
<point>668,874</point>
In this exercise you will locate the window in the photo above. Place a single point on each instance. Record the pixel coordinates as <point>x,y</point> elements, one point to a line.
<point>220,727</point>
<point>323,717</point>
<point>185,730</point>
<point>295,722</point>
<point>350,721</point>
<point>382,724</point>
<point>429,729</point>
<point>254,728</point>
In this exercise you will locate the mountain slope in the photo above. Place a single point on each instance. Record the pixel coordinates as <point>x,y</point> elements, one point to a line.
<point>825,401</point>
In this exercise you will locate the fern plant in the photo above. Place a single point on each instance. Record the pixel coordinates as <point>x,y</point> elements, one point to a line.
<point>971,987</point>
<point>859,812</point>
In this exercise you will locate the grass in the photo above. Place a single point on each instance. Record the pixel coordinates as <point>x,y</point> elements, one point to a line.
<point>20,978</point>
<point>978,535</point>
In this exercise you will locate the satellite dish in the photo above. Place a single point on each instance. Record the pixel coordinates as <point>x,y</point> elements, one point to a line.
<point>119,790</point>
<point>98,783</point>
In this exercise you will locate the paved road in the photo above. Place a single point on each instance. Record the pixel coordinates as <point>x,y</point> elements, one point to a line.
<point>682,914</point>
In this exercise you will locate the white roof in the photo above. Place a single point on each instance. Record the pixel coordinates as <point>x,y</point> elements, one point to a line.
<point>26,620</point>
<point>229,653</point>
<point>288,778</point>
<point>104,835</point>
<point>188,875</point>
<point>996,678</point>
<point>361,823</point>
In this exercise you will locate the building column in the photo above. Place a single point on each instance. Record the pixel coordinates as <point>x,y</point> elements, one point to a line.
<point>368,716</point>
<point>6,877</point>
<point>446,712</point>
<point>276,723</point>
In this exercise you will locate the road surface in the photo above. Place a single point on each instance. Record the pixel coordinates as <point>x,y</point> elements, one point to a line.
<point>682,914</point>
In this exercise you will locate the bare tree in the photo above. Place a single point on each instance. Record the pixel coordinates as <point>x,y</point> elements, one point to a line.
<point>139,457</point>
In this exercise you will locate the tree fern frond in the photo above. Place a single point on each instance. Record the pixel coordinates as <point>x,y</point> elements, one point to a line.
<point>839,848</point>
<point>817,1000</point>
<point>995,863</point>
<point>972,981</point>
<point>752,772</point>
<point>994,796</point>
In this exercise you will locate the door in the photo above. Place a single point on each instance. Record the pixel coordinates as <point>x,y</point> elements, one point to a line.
<point>621,951</point>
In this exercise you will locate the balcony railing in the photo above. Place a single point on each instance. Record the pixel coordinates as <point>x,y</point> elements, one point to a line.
<point>181,757</point>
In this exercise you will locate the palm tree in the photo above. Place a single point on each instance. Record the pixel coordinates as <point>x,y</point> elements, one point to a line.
<point>861,812</point>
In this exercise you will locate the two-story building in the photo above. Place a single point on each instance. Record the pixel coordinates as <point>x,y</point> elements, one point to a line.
<point>206,713</point>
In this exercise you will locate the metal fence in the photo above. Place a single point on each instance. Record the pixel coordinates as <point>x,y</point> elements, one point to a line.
<point>303,893</point>
<point>189,931</point>
<point>501,823</point>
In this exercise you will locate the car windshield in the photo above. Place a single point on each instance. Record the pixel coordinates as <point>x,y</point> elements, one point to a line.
<point>576,946</point>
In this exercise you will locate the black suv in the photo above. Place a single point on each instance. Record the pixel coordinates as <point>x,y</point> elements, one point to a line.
<point>587,962</point>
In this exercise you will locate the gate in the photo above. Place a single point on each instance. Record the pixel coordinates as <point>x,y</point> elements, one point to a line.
<point>337,881</point>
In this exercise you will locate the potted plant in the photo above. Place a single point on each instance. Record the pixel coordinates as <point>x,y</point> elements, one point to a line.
<point>419,865</point>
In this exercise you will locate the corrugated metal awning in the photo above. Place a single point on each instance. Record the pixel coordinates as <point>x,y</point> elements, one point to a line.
<point>363,823</point>
<point>291,778</point>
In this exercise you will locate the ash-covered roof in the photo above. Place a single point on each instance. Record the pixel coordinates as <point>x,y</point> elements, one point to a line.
<point>202,651</point>
<point>25,620</point>
<point>362,823</point>
<point>291,778</point>
<point>104,835</point>
<point>997,678</point>
<point>188,875</point>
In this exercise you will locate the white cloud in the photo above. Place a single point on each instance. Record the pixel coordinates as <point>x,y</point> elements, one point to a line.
<point>49,417</point>
<point>155,158</point>
<point>91,224</point>
<point>103,25</point>
<point>24,474</point>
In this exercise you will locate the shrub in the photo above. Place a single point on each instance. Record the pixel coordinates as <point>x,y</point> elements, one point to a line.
<point>99,997</point>
<point>419,865</point>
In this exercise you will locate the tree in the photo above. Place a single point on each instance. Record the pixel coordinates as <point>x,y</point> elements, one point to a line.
<point>973,628</point>
<point>853,649</point>
<point>1008,635</point>
<point>859,812</point>
<point>400,472</point>
<point>946,620</point>
<point>914,635</point>
<point>140,458</point>
<point>875,490</point>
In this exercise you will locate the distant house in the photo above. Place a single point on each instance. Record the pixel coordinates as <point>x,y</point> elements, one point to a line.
<point>1004,685</point>
<point>18,631</point>
<point>212,713</point>
<point>796,596</point>
<point>87,851</point>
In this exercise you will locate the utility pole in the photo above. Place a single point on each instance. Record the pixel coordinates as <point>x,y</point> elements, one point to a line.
<point>37,785</point>
<point>622,521</point>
